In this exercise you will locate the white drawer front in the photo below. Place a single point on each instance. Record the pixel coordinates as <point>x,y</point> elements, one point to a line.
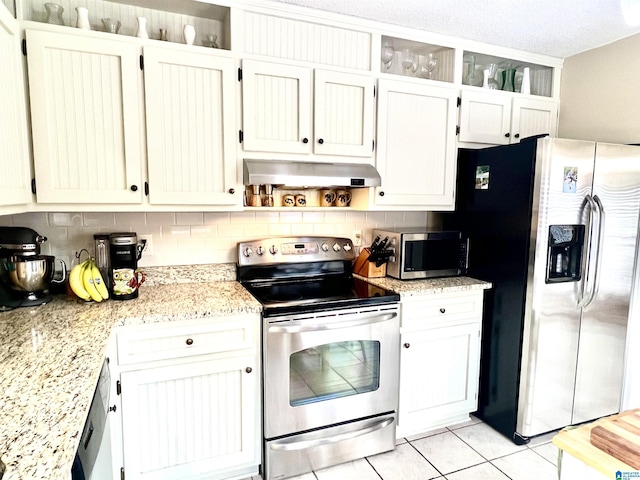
<point>162,342</point>
<point>433,310</point>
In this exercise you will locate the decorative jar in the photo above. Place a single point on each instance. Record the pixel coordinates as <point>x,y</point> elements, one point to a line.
<point>54,13</point>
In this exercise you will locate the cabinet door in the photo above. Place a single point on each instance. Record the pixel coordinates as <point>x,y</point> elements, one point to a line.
<point>343,114</point>
<point>485,117</point>
<point>416,154</point>
<point>191,128</point>
<point>439,371</point>
<point>85,114</point>
<point>14,154</point>
<point>532,117</point>
<point>184,421</point>
<point>276,107</point>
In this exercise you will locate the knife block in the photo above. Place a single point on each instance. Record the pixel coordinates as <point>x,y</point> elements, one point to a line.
<point>362,266</point>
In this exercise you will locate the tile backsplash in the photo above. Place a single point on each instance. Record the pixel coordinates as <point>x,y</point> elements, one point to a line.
<point>184,238</point>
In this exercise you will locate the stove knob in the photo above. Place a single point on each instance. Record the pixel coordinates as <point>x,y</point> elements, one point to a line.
<point>325,247</point>
<point>347,247</point>
<point>260,250</point>
<point>336,247</point>
<point>273,250</point>
<point>248,252</point>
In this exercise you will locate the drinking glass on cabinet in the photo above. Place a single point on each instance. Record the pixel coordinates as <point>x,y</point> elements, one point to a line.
<point>387,55</point>
<point>409,61</point>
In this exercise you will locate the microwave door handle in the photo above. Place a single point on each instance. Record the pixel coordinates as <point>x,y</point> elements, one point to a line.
<point>289,444</point>
<point>298,326</point>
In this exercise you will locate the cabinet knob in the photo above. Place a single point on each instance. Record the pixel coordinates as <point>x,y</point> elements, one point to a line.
<point>507,135</point>
<point>517,135</point>
<point>248,369</point>
<point>442,310</point>
<point>406,345</point>
<point>320,141</point>
<point>134,188</point>
<point>305,140</point>
<point>381,193</point>
<point>189,341</point>
<point>112,409</point>
<point>232,191</point>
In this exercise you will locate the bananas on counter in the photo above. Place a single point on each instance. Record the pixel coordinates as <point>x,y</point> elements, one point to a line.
<point>87,283</point>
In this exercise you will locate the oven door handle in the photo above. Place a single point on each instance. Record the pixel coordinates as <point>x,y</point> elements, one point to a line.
<point>290,444</point>
<point>298,326</point>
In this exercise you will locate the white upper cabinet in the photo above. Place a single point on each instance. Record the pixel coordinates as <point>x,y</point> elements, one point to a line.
<point>85,115</point>
<point>416,154</point>
<point>279,104</point>
<point>500,119</point>
<point>14,154</point>
<point>191,128</point>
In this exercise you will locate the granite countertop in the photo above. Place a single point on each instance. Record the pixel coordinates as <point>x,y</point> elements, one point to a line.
<point>411,288</point>
<point>51,357</point>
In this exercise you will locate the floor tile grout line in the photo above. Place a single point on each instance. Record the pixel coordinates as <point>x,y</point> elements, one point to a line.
<point>374,468</point>
<point>425,458</point>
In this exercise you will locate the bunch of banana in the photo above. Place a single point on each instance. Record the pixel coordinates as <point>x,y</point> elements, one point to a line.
<point>86,282</point>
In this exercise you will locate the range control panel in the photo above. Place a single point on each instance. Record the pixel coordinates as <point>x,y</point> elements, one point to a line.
<point>294,250</point>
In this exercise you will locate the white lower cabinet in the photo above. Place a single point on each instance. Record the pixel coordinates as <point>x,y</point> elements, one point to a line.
<point>500,119</point>
<point>439,360</point>
<point>190,409</point>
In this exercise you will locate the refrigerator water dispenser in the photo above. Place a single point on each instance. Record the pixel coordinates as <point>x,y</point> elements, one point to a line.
<point>564,253</point>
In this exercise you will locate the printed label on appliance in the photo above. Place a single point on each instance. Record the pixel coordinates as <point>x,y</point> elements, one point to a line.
<point>570,180</point>
<point>482,177</point>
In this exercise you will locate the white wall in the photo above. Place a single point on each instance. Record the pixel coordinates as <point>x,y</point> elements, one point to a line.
<point>600,94</point>
<point>199,238</point>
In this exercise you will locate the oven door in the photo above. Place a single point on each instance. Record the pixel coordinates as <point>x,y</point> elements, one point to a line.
<point>329,367</point>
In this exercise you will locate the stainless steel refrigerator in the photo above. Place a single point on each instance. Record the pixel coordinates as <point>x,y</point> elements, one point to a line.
<point>553,225</point>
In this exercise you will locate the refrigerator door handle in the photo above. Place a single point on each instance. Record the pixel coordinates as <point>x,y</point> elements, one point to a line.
<point>596,276</point>
<point>586,287</point>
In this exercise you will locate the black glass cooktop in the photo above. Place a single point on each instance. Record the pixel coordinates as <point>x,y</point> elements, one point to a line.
<point>326,293</point>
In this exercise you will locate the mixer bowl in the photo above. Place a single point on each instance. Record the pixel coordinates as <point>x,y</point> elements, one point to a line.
<point>28,274</point>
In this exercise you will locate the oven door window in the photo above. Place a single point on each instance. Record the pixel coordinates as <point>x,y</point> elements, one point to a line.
<point>334,370</point>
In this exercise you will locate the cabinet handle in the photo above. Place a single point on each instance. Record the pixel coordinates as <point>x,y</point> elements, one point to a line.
<point>189,341</point>
<point>507,135</point>
<point>248,369</point>
<point>407,345</point>
<point>442,310</point>
<point>381,194</point>
<point>134,188</point>
<point>305,140</point>
<point>232,191</point>
<point>320,141</point>
<point>517,135</point>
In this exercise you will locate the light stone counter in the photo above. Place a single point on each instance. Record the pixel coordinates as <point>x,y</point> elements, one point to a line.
<point>50,360</point>
<point>410,288</point>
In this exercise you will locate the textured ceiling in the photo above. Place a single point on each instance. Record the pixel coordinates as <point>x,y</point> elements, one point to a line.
<point>559,28</point>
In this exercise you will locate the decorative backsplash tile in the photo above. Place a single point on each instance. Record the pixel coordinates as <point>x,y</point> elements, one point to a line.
<point>185,238</point>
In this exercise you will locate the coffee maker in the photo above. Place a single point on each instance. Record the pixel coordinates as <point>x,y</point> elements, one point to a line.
<point>25,275</point>
<point>124,253</point>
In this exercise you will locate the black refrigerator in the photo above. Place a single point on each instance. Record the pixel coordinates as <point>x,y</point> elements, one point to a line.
<point>552,225</point>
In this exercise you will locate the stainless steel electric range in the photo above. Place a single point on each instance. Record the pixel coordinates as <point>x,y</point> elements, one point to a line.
<point>330,354</point>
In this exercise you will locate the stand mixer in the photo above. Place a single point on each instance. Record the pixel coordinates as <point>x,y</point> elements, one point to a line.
<point>25,275</point>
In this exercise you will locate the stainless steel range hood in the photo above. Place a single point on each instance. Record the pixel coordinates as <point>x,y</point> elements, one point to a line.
<point>309,174</point>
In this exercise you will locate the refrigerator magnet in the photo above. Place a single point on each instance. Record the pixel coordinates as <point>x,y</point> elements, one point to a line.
<point>482,177</point>
<point>570,180</point>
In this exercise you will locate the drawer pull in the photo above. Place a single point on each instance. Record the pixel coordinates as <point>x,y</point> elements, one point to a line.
<point>189,341</point>
<point>442,310</point>
<point>407,345</point>
<point>248,369</point>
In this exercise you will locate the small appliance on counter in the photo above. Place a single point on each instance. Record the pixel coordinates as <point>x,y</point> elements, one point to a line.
<point>25,275</point>
<point>423,253</point>
<point>124,253</point>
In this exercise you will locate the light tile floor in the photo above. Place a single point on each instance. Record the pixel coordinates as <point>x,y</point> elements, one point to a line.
<point>469,451</point>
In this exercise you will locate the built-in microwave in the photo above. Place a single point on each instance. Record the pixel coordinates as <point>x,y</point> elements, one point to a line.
<point>423,253</point>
